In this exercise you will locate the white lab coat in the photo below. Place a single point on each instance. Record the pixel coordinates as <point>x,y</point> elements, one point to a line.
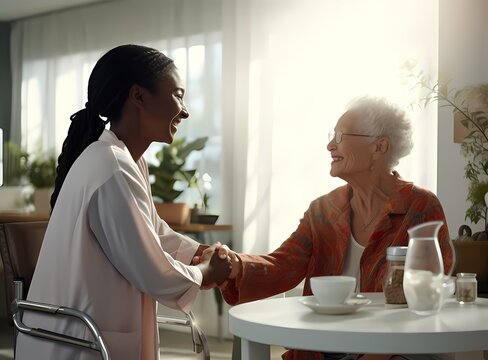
<point>107,253</point>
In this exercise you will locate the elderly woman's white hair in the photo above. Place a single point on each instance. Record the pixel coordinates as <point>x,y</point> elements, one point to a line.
<point>378,117</point>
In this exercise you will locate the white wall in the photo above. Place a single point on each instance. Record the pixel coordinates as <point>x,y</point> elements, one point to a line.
<point>463,57</point>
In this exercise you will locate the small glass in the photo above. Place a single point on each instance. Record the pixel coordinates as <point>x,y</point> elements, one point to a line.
<point>466,288</point>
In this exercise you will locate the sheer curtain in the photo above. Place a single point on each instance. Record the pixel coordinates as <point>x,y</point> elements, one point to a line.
<point>290,68</point>
<point>53,55</point>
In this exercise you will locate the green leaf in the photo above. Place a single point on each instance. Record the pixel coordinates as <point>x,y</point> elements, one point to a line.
<point>42,171</point>
<point>474,146</point>
<point>197,144</point>
<point>170,169</point>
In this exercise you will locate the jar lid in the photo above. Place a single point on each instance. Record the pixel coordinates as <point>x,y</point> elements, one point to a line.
<point>396,253</point>
<point>466,275</point>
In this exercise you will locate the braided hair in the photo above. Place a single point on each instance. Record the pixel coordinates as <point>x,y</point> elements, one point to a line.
<point>108,89</point>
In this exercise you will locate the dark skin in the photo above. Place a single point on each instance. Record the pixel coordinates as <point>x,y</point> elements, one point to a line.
<point>215,266</point>
<point>154,116</point>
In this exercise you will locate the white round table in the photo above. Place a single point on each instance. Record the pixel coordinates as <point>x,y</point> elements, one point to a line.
<point>372,329</point>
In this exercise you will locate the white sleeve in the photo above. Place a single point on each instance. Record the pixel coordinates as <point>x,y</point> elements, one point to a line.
<point>179,246</point>
<point>120,217</point>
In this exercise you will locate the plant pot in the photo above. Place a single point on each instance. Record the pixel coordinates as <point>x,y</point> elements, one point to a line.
<point>173,213</point>
<point>42,199</point>
<point>207,219</point>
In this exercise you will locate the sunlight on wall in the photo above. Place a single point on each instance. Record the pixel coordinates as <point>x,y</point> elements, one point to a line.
<point>253,187</point>
<point>316,57</point>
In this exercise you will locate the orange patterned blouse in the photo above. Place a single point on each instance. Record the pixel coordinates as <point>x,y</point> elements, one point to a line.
<point>319,246</point>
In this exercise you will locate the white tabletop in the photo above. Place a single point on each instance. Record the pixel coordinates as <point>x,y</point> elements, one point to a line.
<point>372,329</point>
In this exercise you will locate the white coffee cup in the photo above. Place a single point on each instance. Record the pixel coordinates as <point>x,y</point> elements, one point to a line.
<point>332,290</point>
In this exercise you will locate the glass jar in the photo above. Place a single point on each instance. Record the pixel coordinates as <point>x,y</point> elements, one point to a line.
<point>393,284</point>
<point>466,288</point>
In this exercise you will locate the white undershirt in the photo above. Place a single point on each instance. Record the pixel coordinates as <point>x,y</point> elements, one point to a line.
<point>353,257</point>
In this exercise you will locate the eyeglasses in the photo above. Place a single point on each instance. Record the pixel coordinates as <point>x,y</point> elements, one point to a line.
<point>337,136</point>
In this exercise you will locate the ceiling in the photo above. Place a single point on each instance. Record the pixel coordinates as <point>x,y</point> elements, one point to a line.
<point>17,9</point>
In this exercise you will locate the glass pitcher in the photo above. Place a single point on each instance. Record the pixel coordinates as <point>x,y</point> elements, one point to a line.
<point>424,282</point>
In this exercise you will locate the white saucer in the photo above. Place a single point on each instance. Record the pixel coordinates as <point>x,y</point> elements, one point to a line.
<point>351,305</point>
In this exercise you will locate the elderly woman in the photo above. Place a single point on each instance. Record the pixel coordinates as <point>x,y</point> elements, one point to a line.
<point>348,230</point>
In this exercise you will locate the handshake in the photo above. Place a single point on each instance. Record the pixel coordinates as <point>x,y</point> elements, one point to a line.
<point>217,264</point>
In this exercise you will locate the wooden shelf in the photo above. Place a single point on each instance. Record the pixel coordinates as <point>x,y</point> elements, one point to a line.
<point>9,217</point>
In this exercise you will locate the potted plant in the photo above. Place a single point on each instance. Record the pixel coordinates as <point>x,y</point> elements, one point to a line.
<point>171,178</point>
<point>474,146</point>
<point>41,173</point>
<point>14,173</point>
<point>470,107</point>
<point>200,214</point>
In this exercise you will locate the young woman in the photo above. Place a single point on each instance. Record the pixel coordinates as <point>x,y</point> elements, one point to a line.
<point>106,252</point>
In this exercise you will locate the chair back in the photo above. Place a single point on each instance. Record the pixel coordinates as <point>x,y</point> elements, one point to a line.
<point>20,243</point>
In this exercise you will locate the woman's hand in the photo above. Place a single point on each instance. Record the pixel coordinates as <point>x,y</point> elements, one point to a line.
<point>223,252</point>
<point>215,267</point>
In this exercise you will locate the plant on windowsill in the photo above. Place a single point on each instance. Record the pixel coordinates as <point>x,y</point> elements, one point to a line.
<point>200,215</point>
<point>14,164</point>
<point>474,145</point>
<point>41,173</point>
<point>171,178</point>
<point>14,177</point>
